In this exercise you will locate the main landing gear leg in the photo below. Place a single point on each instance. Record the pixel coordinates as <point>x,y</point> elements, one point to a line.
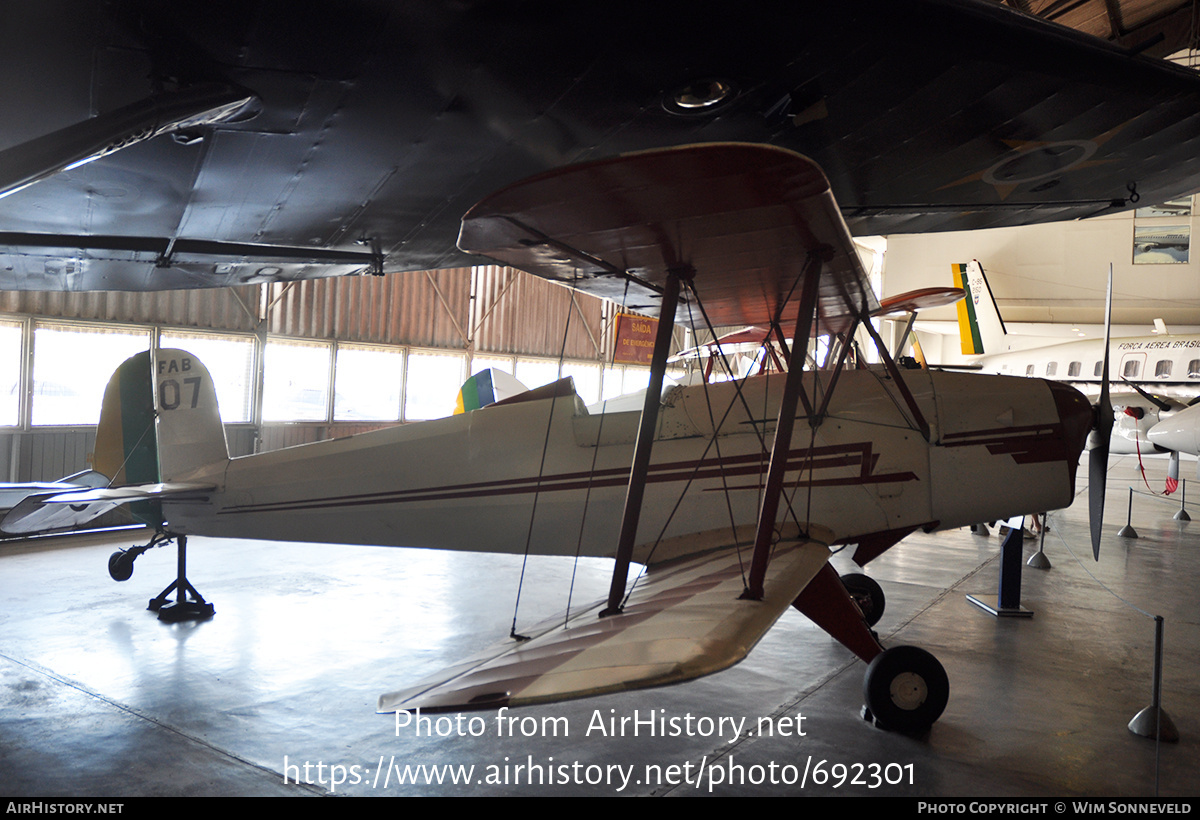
<point>905,688</point>
<point>189,605</point>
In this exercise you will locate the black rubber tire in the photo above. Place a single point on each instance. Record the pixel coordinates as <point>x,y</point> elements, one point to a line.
<point>906,689</point>
<point>120,565</point>
<point>867,593</point>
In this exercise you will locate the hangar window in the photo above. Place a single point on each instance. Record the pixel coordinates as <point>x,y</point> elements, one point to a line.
<point>587,380</point>
<point>432,386</point>
<point>1194,369</point>
<point>1163,369</point>
<point>230,361</point>
<point>10,374</point>
<point>478,363</point>
<point>71,367</point>
<point>1052,369</point>
<point>295,381</point>
<point>536,372</point>
<point>618,381</point>
<point>367,383</point>
<point>1074,369</point>
<point>1131,369</point>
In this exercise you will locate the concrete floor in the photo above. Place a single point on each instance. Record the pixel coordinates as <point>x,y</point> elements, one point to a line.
<point>98,698</point>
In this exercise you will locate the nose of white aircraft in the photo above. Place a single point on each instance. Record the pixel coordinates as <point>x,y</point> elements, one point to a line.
<point>1179,432</point>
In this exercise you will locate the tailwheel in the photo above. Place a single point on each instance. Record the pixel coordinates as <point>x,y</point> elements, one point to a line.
<point>906,689</point>
<point>120,565</point>
<point>867,594</point>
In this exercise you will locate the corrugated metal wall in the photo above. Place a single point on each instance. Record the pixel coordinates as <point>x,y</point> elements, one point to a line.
<point>509,312</point>
<point>520,314</point>
<point>213,308</point>
<point>426,309</point>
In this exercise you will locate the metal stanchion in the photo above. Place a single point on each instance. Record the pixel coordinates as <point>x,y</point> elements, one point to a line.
<point>1153,721</point>
<point>1182,514</point>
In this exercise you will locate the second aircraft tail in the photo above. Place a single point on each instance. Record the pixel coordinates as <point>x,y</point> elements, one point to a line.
<point>980,326</point>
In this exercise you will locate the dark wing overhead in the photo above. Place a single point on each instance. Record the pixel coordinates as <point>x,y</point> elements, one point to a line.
<point>740,219</point>
<point>379,122</point>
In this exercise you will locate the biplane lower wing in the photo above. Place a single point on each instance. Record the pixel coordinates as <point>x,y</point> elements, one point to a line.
<point>686,619</point>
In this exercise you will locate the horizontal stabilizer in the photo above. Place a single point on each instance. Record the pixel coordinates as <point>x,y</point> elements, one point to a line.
<point>685,619</point>
<point>42,512</point>
<point>13,494</point>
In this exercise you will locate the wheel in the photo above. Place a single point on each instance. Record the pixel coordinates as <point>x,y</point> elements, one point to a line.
<point>867,593</point>
<point>906,689</point>
<point>120,565</point>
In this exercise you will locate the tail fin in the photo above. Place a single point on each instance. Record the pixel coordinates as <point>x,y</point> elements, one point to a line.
<point>980,326</point>
<point>189,434</point>
<point>126,446</point>
<point>138,449</point>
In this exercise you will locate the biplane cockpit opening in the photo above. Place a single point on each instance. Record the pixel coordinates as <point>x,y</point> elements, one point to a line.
<point>728,494</point>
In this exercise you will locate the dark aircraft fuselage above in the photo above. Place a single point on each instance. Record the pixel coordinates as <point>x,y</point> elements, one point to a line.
<point>374,126</point>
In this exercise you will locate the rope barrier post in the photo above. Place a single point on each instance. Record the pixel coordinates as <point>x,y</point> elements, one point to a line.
<point>1039,560</point>
<point>1152,721</point>
<point>1182,515</point>
<point>1128,531</point>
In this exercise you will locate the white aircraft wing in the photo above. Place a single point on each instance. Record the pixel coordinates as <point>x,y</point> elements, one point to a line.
<point>40,512</point>
<point>685,619</point>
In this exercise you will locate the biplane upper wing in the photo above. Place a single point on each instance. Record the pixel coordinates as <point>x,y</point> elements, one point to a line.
<point>685,619</point>
<point>739,220</point>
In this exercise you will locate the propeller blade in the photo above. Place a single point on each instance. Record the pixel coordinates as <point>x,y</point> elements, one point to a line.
<point>1101,436</point>
<point>1155,400</point>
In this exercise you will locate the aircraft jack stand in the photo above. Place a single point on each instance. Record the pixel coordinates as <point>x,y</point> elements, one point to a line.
<point>189,605</point>
<point>1007,602</point>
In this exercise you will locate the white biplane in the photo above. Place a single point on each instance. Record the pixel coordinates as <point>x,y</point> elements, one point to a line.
<point>730,494</point>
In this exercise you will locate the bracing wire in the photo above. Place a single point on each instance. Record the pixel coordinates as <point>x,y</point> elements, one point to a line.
<point>587,497</point>
<point>537,490</point>
<point>713,442</point>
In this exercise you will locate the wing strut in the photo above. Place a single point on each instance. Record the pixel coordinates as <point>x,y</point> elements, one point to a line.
<point>645,439</point>
<point>792,389</point>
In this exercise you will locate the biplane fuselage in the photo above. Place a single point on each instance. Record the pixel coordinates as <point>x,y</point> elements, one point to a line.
<point>999,446</point>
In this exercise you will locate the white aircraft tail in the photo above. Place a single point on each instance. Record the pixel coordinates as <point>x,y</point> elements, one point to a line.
<point>158,424</point>
<point>980,326</point>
